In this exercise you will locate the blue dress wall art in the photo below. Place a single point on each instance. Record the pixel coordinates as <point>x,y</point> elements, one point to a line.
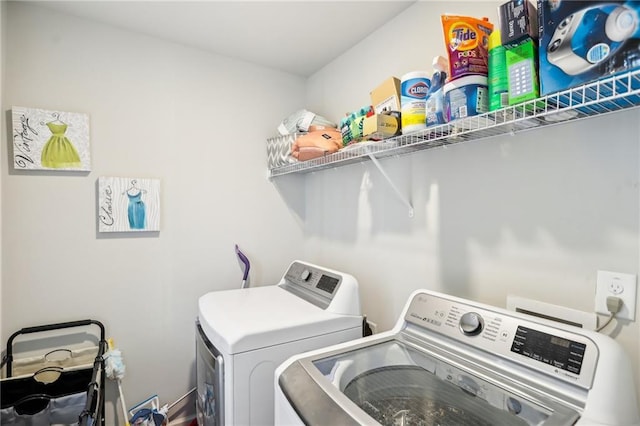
<point>128,204</point>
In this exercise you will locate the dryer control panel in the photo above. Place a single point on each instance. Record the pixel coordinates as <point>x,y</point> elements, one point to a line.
<point>312,283</point>
<point>568,356</point>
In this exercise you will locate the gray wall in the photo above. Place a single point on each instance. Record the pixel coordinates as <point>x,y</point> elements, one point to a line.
<point>535,215</point>
<point>157,110</point>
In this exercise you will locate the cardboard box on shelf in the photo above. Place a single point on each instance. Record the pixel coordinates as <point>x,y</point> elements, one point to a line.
<point>386,97</point>
<point>583,41</point>
<point>381,126</point>
<point>518,22</point>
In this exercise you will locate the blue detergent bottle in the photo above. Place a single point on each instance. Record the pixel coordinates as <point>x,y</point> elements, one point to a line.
<point>434,106</point>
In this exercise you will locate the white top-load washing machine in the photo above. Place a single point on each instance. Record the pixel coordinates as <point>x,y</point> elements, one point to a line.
<point>454,362</point>
<point>244,334</point>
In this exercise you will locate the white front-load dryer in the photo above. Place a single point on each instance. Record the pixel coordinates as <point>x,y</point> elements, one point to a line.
<point>244,334</point>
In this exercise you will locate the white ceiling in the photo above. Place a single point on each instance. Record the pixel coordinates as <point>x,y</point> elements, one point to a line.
<point>298,37</point>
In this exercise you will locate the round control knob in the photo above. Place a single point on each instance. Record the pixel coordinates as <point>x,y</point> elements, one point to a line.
<point>471,323</point>
<point>305,275</point>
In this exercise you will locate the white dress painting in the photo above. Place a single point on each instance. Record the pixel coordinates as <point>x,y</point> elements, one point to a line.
<point>128,204</point>
<point>50,140</point>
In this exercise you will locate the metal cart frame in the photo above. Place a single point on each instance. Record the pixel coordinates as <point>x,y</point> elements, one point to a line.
<point>92,379</point>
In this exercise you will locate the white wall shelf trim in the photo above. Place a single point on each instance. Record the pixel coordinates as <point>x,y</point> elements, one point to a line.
<point>604,96</point>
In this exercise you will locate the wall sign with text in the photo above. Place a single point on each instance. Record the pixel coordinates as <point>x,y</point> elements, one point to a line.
<point>128,204</point>
<point>50,140</point>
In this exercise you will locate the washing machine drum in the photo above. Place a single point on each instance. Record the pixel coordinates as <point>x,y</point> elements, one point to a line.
<point>410,395</point>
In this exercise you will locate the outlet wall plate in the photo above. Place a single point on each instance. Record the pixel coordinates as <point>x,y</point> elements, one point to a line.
<point>619,285</point>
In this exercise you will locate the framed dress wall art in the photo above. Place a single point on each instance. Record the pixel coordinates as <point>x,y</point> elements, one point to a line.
<point>50,140</point>
<point>128,204</point>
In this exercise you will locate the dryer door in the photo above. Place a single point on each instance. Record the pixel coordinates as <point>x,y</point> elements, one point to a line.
<point>209,381</point>
<point>392,383</point>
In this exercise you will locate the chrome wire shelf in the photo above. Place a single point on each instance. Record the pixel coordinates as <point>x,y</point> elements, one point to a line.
<point>604,96</point>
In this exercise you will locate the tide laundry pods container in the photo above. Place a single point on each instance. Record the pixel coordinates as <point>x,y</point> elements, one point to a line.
<point>466,96</point>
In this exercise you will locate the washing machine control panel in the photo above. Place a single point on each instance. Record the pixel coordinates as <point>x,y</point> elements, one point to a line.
<point>569,356</point>
<point>550,349</point>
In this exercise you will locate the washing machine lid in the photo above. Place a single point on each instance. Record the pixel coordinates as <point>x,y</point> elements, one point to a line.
<point>242,320</point>
<point>395,382</point>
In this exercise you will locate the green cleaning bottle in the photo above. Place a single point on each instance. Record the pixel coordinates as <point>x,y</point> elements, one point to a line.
<point>498,79</point>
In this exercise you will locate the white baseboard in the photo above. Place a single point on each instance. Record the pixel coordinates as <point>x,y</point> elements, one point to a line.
<point>182,421</point>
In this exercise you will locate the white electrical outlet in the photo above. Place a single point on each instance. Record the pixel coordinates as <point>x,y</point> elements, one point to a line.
<point>619,285</point>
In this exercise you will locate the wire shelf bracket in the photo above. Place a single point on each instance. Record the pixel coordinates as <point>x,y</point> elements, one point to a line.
<point>395,189</point>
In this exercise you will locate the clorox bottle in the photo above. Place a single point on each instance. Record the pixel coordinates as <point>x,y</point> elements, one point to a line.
<point>413,94</point>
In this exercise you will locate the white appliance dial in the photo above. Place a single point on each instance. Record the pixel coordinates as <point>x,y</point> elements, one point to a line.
<point>471,323</point>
